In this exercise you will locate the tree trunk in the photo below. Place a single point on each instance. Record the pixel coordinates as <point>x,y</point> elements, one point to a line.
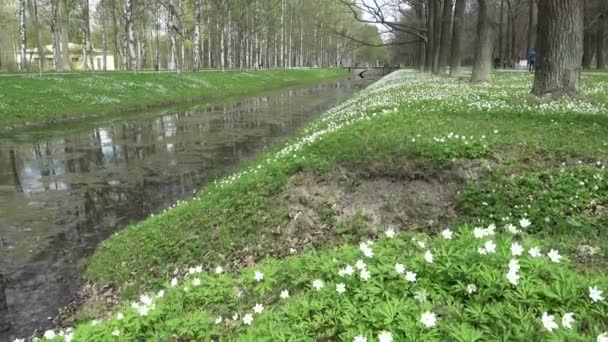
<point>601,41</point>
<point>130,35</point>
<point>22,45</point>
<point>117,52</point>
<point>446,30</point>
<point>157,38</point>
<point>63,35</point>
<point>430,28</point>
<point>55,32</point>
<point>532,14</point>
<point>482,66</point>
<point>209,40</point>
<point>104,43</point>
<point>229,45</point>
<point>560,35</point>
<point>457,38</point>
<point>222,56</point>
<point>501,25</point>
<point>436,34</point>
<point>196,55</point>
<point>172,40</point>
<point>36,26</point>
<point>87,53</point>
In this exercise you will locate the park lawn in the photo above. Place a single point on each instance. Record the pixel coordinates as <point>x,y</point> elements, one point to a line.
<point>413,155</point>
<point>37,100</point>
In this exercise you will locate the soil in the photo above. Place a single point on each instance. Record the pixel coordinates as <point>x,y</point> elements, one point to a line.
<point>355,202</point>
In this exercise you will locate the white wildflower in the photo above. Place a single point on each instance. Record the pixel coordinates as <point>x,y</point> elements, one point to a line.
<point>535,252</point>
<point>595,294</point>
<point>364,274</point>
<point>340,288</point>
<point>490,247</point>
<point>385,336</point>
<point>318,284</point>
<point>390,233</point>
<point>568,320</point>
<point>549,322</point>
<point>512,229</point>
<point>219,270</point>
<point>120,316</point>
<point>360,265</point>
<point>348,270</point>
<point>399,268</point>
<point>410,276</point>
<point>524,223</point>
<point>428,256</point>
<point>284,294</point>
<point>218,320</point>
<point>471,288</point>
<point>116,332</point>
<point>248,319</point>
<point>516,249</point>
<point>174,282</point>
<point>428,319</point>
<point>360,338</point>
<point>554,256</point>
<point>602,337</point>
<point>447,234</point>
<point>49,334</point>
<point>258,276</point>
<point>196,282</point>
<point>258,308</point>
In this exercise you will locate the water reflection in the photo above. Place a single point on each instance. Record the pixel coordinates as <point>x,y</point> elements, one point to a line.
<point>64,190</point>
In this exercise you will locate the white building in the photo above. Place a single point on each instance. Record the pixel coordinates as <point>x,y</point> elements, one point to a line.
<point>76,61</point>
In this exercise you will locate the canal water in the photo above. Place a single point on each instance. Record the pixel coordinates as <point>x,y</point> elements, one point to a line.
<point>65,188</point>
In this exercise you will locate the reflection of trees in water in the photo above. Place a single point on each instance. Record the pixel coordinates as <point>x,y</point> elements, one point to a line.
<point>16,180</point>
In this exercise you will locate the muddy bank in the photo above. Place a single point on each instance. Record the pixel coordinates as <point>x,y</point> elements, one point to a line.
<point>351,203</point>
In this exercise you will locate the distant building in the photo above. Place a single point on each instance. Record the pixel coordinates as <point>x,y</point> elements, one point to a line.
<point>76,61</point>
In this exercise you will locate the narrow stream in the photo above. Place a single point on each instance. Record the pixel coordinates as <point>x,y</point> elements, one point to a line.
<point>65,188</point>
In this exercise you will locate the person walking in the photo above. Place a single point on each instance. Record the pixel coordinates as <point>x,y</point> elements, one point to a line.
<point>532,61</point>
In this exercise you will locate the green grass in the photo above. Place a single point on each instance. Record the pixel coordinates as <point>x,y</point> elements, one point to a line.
<point>34,99</point>
<point>492,310</point>
<point>543,162</point>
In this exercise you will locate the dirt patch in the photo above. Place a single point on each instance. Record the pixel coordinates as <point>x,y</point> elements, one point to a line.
<point>349,203</point>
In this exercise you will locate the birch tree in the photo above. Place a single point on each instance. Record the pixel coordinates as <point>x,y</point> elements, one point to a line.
<point>22,42</point>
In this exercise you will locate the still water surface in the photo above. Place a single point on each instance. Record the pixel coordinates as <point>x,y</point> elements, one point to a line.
<point>65,188</point>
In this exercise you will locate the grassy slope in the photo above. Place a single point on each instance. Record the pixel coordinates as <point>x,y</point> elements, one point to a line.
<point>32,99</point>
<point>221,222</point>
<point>544,166</point>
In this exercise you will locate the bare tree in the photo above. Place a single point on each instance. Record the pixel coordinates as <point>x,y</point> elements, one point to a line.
<point>87,53</point>
<point>560,36</point>
<point>457,38</point>
<point>532,13</point>
<point>482,66</point>
<point>22,45</point>
<point>33,5</point>
<point>601,39</point>
<point>196,53</point>
<point>446,31</point>
<point>130,32</point>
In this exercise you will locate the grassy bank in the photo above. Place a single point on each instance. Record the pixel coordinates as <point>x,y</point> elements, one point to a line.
<point>33,99</point>
<point>400,163</point>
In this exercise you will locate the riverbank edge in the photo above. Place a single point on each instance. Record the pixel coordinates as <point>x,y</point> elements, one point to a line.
<point>336,74</point>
